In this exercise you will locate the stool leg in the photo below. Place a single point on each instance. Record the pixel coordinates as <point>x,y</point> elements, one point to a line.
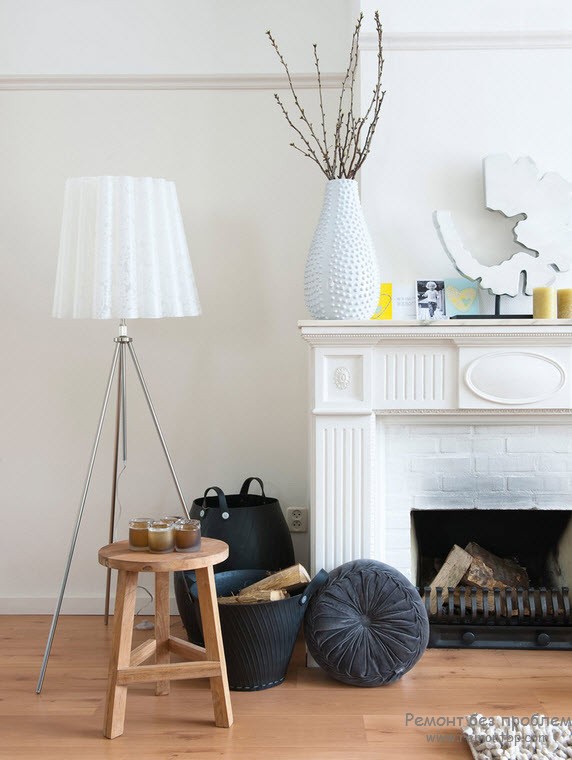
<point>213,645</point>
<point>162,627</point>
<point>120,652</point>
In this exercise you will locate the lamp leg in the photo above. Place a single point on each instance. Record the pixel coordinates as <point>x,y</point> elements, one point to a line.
<point>119,423</point>
<point>158,427</point>
<point>78,523</point>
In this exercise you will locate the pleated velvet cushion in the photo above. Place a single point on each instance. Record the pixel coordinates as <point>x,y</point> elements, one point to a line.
<point>367,625</point>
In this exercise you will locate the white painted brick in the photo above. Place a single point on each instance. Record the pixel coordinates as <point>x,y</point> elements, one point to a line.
<point>399,558</point>
<point>417,444</point>
<point>556,483</point>
<point>508,463</point>
<point>558,427</point>
<point>504,500</point>
<point>398,519</point>
<point>453,429</point>
<point>454,445</point>
<point>441,464</point>
<point>490,446</point>
<point>555,463</point>
<point>502,429</point>
<point>444,501</point>
<point>396,464</point>
<point>539,483</point>
<point>472,483</point>
<point>399,501</point>
<point>523,482</point>
<point>540,443</point>
<point>553,500</point>
<point>413,482</point>
<point>399,539</point>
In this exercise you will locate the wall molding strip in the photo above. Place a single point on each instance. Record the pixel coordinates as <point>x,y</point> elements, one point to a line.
<point>502,40</point>
<point>164,81</point>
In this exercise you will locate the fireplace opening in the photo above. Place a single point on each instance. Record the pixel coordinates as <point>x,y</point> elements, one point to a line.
<point>496,578</point>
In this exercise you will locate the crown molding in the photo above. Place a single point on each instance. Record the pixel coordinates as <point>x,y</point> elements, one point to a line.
<point>502,40</point>
<point>165,81</point>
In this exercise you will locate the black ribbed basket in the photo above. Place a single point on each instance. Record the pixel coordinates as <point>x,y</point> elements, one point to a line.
<point>258,638</point>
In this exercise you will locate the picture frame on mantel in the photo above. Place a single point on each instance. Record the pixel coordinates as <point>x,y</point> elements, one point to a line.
<point>431,303</point>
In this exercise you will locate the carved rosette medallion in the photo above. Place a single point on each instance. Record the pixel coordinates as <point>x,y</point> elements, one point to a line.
<point>342,378</point>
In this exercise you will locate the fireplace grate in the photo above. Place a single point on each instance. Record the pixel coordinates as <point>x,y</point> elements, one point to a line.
<point>503,618</point>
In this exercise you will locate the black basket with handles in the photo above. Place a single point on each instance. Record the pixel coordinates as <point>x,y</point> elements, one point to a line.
<point>253,525</point>
<point>258,638</point>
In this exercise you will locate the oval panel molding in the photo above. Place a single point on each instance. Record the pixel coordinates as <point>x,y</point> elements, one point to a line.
<point>514,377</point>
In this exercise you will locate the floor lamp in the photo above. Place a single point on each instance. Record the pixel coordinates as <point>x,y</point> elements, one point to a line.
<point>123,255</point>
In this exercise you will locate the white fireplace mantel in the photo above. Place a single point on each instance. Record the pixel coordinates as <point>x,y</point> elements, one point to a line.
<point>366,371</point>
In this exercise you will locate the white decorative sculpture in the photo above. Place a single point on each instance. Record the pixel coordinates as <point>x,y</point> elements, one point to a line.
<point>545,234</point>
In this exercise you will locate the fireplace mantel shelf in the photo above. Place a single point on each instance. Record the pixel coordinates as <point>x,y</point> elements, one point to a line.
<point>360,331</point>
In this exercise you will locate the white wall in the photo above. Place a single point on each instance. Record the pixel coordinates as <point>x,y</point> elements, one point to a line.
<point>250,205</point>
<point>463,80</point>
<point>230,386</point>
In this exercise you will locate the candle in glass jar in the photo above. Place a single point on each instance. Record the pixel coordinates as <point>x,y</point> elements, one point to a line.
<point>187,536</point>
<point>565,303</point>
<point>139,534</point>
<point>161,537</point>
<point>170,519</point>
<point>544,303</point>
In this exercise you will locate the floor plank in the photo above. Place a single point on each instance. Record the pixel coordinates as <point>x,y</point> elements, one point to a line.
<point>310,715</point>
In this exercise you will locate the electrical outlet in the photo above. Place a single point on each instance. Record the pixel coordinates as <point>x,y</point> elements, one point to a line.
<point>298,519</point>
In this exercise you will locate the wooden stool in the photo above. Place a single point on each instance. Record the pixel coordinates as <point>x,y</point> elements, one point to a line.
<point>202,662</point>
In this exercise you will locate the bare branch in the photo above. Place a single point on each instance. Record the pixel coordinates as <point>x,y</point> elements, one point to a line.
<point>297,103</point>
<point>318,73</point>
<point>353,135</point>
<point>298,131</point>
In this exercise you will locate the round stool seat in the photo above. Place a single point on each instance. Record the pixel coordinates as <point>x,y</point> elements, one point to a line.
<point>367,625</point>
<point>118,556</point>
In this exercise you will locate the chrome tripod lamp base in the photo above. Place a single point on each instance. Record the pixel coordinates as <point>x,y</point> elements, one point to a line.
<point>123,254</point>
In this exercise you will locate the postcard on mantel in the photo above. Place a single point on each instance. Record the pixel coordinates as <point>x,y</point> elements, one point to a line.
<point>462,297</point>
<point>385,306</point>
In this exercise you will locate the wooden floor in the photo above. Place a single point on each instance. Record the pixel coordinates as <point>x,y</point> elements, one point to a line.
<point>309,716</point>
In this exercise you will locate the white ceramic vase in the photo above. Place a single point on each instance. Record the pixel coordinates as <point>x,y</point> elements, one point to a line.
<point>341,279</point>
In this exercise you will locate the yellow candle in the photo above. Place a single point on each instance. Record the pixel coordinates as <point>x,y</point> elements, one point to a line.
<point>544,303</point>
<point>565,303</point>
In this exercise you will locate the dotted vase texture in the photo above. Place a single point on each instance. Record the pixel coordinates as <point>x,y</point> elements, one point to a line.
<point>341,279</point>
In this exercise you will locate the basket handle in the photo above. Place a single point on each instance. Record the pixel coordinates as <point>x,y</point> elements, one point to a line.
<point>222,503</point>
<point>318,580</point>
<point>246,486</point>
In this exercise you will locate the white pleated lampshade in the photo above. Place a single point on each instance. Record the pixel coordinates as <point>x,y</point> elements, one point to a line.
<point>123,252</point>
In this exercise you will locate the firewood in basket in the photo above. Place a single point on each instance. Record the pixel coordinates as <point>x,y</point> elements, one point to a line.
<point>263,595</point>
<point>272,588</point>
<point>291,578</point>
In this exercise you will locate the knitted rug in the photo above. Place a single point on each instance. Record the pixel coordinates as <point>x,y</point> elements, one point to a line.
<point>524,738</point>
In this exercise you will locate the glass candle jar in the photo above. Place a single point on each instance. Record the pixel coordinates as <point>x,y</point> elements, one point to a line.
<point>161,537</point>
<point>170,519</point>
<point>139,534</point>
<point>187,536</point>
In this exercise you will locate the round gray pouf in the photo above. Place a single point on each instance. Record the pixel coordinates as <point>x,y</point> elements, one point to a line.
<point>367,625</point>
